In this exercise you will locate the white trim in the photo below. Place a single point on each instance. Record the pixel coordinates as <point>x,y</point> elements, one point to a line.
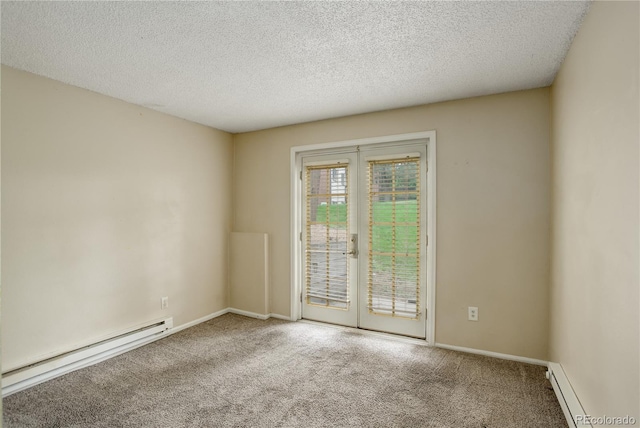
<point>248,314</point>
<point>257,315</point>
<point>296,228</point>
<point>198,321</point>
<point>431,236</point>
<point>280,317</point>
<point>73,361</point>
<point>494,354</point>
<point>365,141</point>
<point>567,397</point>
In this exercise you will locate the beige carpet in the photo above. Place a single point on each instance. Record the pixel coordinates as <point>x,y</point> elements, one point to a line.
<point>240,372</point>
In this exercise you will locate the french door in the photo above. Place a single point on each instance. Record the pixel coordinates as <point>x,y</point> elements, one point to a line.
<point>364,238</point>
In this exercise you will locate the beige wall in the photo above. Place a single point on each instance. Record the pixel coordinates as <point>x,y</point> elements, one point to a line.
<point>106,207</point>
<point>492,208</point>
<point>595,110</point>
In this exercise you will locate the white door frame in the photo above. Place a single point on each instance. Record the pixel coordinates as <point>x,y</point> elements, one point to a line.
<point>296,220</point>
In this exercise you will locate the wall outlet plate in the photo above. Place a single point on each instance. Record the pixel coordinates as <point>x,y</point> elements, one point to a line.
<point>164,303</point>
<point>473,313</point>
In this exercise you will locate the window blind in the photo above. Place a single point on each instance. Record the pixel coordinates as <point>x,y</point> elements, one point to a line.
<point>327,236</point>
<point>394,230</point>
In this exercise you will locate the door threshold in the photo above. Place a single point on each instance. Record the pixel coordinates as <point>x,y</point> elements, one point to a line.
<point>390,336</point>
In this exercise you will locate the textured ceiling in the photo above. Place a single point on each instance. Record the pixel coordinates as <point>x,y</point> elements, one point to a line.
<point>242,66</point>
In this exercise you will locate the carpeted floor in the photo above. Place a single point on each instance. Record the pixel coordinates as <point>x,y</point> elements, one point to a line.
<point>241,372</point>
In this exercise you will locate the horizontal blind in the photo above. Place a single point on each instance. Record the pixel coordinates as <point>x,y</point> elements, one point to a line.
<point>394,237</point>
<point>327,231</point>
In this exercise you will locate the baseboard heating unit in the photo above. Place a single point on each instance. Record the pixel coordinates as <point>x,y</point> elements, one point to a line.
<point>33,374</point>
<point>573,411</point>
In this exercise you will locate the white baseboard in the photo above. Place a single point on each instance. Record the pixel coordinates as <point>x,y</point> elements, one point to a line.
<point>280,317</point>
<point>571,407</point>
<point>248,314</point>
<point>256,315</point>
<point>494,354</point>
<point>199,321</point>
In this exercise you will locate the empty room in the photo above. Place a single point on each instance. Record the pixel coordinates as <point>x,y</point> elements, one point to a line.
<point>316,214</point>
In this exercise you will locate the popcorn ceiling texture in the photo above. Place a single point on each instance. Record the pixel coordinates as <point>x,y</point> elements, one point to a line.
<point>242,66</point>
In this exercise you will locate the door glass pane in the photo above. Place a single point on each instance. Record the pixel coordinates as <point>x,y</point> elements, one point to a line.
<point>394,230</point>
<point>327,233</point>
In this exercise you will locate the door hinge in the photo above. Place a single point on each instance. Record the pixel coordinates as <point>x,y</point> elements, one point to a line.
<point>300,174</point>
<point>300,236</point>
<point>300,297</point>
<point>427,240</point>
<point>354,246</point>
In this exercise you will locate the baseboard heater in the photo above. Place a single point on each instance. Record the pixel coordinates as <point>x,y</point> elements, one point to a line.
<point>33,374</point>
<point>573,411</point>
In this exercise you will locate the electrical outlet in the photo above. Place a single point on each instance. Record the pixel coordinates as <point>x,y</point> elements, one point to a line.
<point>473,313</point>
<point>164,303</point>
